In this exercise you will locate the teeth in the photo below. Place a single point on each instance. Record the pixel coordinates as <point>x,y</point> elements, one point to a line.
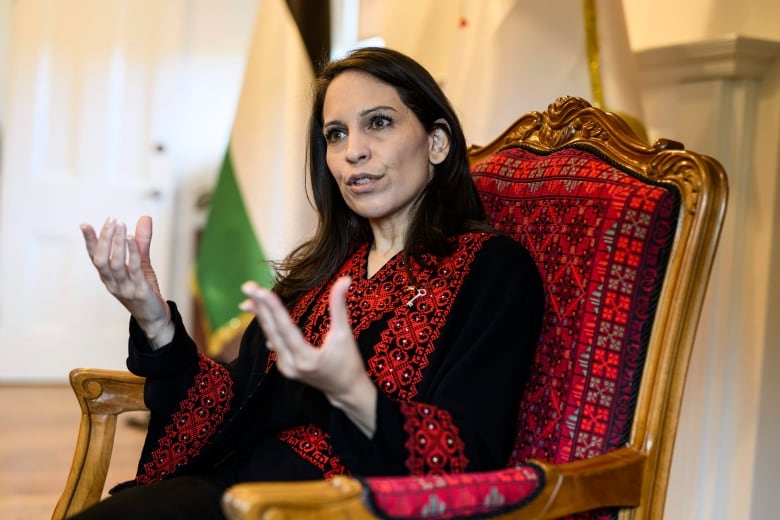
<point>362,181</point>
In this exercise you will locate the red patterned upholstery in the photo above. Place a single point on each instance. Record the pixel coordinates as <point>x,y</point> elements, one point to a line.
<point>454,495</point>
<point>600,238</point>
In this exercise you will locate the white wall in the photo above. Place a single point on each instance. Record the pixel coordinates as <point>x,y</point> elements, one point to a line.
<point>659,23</point>
<point>5,40</point>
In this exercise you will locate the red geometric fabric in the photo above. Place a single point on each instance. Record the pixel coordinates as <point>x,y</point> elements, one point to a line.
<point>206,405</point>
<point>434,440</point>
<point>312,444</point>
<point>453,495</point>
<point>600,238</point>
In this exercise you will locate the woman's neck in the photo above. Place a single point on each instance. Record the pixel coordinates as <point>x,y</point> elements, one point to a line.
<point>389,239</point>
<point>378,257</point>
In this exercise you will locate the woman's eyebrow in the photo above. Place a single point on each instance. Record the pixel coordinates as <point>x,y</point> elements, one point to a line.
<point>362,113</point>
<point>379,108</point>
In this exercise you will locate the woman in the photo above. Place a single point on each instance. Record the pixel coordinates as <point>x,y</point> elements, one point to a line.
<point>395,341</point>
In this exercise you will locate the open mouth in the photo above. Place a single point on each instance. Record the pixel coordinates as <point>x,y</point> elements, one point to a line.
<point>361,179</point>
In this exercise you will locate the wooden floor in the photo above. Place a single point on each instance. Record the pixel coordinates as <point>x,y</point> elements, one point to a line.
<point>37,439</point>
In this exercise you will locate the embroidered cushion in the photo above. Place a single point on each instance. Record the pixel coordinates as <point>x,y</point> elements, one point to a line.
<point>454,495</point>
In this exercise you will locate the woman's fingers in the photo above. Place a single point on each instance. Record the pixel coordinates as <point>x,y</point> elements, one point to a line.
<point>119,259</point>
<point>102,247</point>
<point>118,255</point>
<point>254,304</point>
<point>100,251</point>
<point>339,319</point>
<point>282,335</point>
<point>143,236</point>
<point>134,267</point>
<point>90,238</point>
<point>336,368</point>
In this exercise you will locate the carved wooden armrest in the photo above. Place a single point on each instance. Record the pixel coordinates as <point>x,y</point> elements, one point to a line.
<point>612,479</point>
<point>102,395</point>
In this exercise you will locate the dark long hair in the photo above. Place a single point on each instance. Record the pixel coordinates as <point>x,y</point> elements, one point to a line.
<point>448,205</point>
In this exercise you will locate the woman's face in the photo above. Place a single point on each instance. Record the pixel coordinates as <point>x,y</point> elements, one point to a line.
<point>377,150</point>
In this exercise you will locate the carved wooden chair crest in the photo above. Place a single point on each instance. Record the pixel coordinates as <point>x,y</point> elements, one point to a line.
<point>624,235</point>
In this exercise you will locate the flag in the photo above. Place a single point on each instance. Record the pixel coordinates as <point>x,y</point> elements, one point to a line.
<point>510,57</point>
<point>259,209</point>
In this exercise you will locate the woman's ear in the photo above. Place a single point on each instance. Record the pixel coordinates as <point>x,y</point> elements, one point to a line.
<point>439,142</point>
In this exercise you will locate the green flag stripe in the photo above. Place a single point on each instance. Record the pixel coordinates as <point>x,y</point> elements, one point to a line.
<point>229,253</point>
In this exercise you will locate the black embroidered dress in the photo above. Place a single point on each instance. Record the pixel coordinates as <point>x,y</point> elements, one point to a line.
<point>448,355</point>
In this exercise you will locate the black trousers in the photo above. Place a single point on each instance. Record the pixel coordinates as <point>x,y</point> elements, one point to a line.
<point>185,497</point>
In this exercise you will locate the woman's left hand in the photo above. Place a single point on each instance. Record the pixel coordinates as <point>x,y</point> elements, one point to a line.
<point>336,368</point>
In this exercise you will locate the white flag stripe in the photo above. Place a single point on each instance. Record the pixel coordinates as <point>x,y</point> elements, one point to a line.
<point>268,141</point>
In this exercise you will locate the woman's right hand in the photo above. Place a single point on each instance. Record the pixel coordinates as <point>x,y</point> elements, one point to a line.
<point>126,270</point>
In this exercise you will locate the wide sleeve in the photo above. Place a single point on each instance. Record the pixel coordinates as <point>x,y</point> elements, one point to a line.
<point>464,416</point>
<point>172,370</point>
<point>190,396</point>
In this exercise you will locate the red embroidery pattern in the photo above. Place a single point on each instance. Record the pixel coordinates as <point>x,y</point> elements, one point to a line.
<point>599,237</point>
<point>401,355</point>
<point>206,405</point>
<point>368,300</point>
<point>312,444</point>
<point>434,443</point>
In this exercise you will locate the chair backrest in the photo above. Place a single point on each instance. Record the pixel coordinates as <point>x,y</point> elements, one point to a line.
<point>624,236</point>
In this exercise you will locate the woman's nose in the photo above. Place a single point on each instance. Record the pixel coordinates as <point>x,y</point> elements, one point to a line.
<point>357,149</point>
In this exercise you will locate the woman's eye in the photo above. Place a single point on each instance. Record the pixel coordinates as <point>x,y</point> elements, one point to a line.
<point>334,135</point>
<point>380,121</point>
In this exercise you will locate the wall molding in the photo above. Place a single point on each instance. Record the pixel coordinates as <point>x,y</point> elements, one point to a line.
<point>729,57</point>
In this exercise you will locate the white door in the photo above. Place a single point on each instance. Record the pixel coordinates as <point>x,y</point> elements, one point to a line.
<point>90,98</point>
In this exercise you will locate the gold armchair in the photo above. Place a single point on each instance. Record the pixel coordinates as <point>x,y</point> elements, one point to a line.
<point>624,235</point>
